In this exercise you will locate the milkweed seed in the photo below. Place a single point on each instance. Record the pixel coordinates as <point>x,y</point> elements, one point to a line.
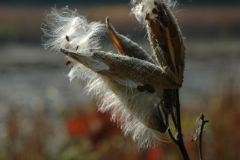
<point>67,38</point>
<point>140,88</point>
<point>68,62</point>
<point>154,11</point>
<point>166,18</point>
<point>77,47</point>
<point>149,88</point>
<point>147,17</point>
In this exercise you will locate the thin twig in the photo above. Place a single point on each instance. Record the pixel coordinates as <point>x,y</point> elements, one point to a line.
<point>202,123</point>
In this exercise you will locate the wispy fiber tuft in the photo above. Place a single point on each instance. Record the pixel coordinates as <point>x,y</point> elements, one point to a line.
<point>130,84</point>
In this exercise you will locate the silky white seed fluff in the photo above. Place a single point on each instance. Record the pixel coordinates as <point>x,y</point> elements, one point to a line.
<point>68,30</point>
<point>129,108</point>
<point>142,8</point>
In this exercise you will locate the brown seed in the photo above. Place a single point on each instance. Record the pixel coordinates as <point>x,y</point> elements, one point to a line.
<point>161,10</point>
<point>68,62</point>
<point>164,12</point>
<point>140,88</point>
<point>77,47</point>
<point>155,3</point>
<point>67,38</point>
<point>149,88</point>
<point>154,11</point>
<point>160,14</point>
<point>147,17</point>
<point>166,18</point>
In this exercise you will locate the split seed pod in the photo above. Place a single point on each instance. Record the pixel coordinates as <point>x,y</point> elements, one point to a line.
<point>129,84</point>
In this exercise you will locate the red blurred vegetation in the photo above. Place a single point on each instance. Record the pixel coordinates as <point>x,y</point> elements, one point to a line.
<point>91,134</point>
<point>94,125</point>
<point>154,153</point>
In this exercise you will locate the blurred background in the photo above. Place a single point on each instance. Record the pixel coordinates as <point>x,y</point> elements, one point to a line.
<point>44,116</point>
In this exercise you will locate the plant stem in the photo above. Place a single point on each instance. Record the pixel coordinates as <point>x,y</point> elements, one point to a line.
<point>182,147</point>
<point>202,122</point>
<point>178,140</point>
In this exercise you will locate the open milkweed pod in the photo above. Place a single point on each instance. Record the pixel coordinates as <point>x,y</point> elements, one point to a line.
<point>66,29</point>
<point>127,47</point>
<point>164,33</point>
<point>129,85</point>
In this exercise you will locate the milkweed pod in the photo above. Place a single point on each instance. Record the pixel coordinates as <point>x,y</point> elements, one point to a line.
<point>164,33</point>
<point>130,84</point>
<point>114,65</point>
<point>127,47</point>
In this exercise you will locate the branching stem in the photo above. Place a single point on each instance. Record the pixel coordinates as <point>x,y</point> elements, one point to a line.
<point>178,140</point>
<point>202,123</point>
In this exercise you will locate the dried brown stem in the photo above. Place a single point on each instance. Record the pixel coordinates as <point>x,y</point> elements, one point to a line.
<point>202,125</point>
<point>178,139</point>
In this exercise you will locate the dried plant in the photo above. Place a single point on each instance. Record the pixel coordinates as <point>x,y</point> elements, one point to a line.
<point>140,89</point>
